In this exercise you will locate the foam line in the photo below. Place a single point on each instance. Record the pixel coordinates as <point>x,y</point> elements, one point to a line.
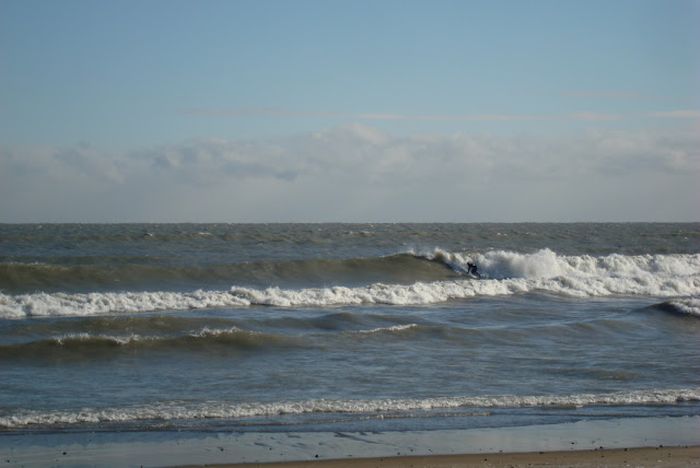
<point>223,410</point>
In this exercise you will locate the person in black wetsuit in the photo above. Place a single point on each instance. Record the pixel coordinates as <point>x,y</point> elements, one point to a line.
<point>472,270</point>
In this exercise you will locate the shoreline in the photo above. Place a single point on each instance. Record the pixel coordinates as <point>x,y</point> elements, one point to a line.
<point>589,440</point>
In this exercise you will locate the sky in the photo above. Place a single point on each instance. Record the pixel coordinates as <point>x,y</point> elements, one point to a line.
<point>349,111</point>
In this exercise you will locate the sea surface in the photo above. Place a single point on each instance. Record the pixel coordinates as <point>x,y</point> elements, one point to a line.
<point>345,327</point>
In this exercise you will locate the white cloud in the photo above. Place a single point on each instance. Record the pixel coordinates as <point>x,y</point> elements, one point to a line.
<point>357,173</point>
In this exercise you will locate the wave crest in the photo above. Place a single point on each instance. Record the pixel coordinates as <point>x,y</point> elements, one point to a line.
<point>689,306</point>
<point>87,344</point>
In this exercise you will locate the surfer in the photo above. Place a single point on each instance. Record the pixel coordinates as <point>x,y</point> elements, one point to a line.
<point>472,270</point>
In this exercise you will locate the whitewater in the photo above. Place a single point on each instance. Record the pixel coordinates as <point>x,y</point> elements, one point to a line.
<point>503,273</point>
<point>334,327</point>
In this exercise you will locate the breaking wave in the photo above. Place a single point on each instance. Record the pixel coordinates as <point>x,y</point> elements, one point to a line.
<point>503,273</point>
<point>86,304</point>
<point>545,263</point>
<point>684,306</point>
<point>222,410</point>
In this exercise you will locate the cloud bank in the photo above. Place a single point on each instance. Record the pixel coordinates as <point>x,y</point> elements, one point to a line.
<point>358,173</point>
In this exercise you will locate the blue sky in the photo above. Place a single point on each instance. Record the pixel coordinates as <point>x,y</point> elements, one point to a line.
<point>118,83</point>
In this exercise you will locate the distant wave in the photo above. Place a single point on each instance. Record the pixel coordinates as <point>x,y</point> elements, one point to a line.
<point>222,410</point>
<point>392,329</point>
<point>504,273</point>
<point>181,233</point>
<point>88,344</point>
<point>404,268</point>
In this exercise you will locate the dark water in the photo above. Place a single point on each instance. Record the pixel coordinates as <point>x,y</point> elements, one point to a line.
<point>341,327</point>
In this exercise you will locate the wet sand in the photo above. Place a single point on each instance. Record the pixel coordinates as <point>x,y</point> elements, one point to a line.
<point>646,457</point>
<point>668,441</point>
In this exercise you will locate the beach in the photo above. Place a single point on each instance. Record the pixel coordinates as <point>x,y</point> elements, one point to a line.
<point>349,234</point>
<point>647,457</point>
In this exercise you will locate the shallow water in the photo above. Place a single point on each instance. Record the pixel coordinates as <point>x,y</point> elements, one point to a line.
<point>345,327</point>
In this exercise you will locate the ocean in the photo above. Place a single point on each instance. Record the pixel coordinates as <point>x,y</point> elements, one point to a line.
<point>345,327</point>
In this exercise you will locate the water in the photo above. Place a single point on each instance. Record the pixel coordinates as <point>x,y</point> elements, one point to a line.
<point>325,327</point>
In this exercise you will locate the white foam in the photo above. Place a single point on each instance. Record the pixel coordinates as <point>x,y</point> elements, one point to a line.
<point>392,329</point>
<point>504,273</point>
<point>124,340</point>
<point>222,410</point>
<point>85,337</point>
<point>84,304</point>
<point>547,264</point>
<point>690,305</point>
<point>208,332</point>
